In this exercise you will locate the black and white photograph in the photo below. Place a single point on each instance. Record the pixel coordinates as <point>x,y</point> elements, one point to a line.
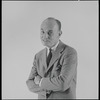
<point>50,49</point>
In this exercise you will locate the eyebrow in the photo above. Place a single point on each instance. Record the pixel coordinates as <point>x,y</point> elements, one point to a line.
<point>48,30</point>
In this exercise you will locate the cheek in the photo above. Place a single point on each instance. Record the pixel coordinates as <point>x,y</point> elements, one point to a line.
<point>41,36</point>
<point>55,38</point>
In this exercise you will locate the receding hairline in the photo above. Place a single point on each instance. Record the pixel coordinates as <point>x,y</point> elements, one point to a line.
<point>56,20</point>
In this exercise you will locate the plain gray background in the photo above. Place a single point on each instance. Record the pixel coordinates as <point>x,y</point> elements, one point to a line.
<point>21,41</point>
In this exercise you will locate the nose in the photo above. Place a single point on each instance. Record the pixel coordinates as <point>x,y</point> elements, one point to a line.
<point>46,35</point>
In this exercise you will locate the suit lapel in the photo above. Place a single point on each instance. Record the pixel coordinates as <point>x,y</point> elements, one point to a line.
<point>56,54</point>
<point>44,56</point>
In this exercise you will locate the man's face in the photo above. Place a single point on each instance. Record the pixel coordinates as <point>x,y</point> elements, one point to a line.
<point>49,33</point>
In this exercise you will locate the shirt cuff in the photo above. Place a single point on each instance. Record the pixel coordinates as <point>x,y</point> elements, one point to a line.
<point>40,81</point>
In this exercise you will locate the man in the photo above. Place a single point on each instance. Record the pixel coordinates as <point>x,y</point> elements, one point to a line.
<point>54,71</point>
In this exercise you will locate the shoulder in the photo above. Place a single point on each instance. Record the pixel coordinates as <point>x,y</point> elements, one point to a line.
<point>40,53</point>
<point>68,50</point>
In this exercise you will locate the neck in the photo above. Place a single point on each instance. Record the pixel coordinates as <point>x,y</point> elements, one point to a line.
<point>54,46</point>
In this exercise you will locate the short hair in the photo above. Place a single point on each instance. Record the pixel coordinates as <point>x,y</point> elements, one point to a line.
<point>57,21</point>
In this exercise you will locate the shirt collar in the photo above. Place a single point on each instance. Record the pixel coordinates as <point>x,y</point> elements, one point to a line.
<point>53,48</point>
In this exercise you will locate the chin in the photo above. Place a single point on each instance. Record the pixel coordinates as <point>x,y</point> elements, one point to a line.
<point>47,44</point>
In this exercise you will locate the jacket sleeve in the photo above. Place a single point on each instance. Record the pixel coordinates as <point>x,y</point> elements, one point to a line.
<point>68,70</point>
<point>30,82</point>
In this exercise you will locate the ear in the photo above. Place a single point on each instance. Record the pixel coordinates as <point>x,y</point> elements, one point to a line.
<point>60,33</point>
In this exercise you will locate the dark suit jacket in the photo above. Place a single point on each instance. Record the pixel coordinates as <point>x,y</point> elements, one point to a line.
<point>59,78</point>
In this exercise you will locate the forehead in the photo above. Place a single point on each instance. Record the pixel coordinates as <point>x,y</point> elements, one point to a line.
<point>49,25</point>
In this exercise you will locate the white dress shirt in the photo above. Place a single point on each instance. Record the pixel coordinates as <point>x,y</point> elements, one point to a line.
<point>53,48</point>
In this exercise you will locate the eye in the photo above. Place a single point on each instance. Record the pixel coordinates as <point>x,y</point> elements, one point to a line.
<point>50,33</point>
<point>42,31</point>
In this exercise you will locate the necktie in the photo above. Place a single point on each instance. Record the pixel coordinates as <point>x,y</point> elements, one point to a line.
<point>49,57</point>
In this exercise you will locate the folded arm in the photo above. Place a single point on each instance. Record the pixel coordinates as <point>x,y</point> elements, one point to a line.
<point>34,79</point>
<point>63,81</point>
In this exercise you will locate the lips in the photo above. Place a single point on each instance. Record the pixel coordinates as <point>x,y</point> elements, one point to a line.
<point>45,40</point>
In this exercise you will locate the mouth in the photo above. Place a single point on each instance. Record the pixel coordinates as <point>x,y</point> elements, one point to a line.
<point>45,40</point>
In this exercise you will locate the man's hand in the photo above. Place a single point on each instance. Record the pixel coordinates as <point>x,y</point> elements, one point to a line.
<point>37,79</point>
